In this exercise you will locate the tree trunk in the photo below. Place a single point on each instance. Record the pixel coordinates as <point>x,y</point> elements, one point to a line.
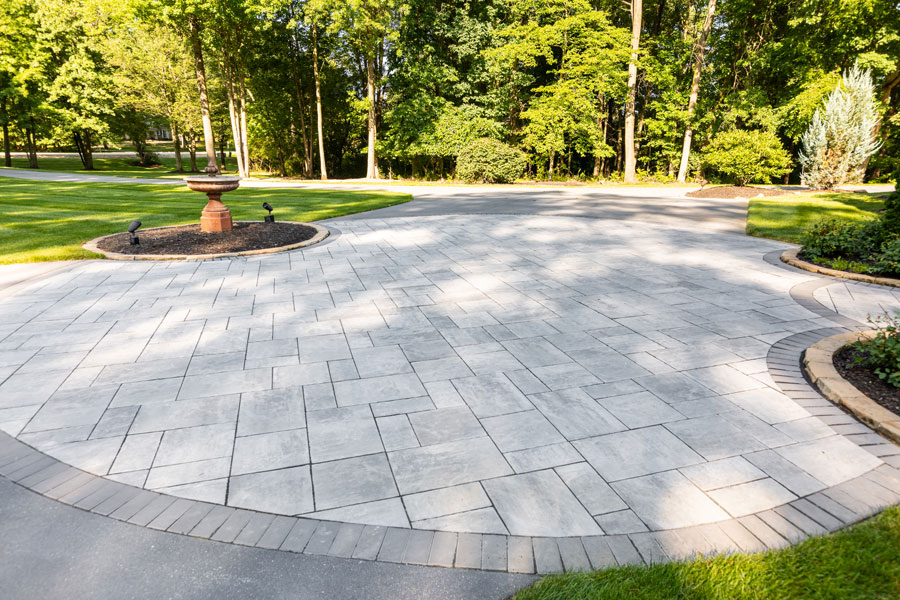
<point>234,118</point>
<point>699,50</point>
<point>307,151</point>
<point>245,149</point>
<point>619,147</point>
<point>31,144</point>
<point>630,165</point>
<point>322,169</point>
<point>140,149</point>
<point>371,167</point>
<point>179,166</point>
<point>211,168</point>
<point>88,151</point>
<point>7,158</point>
<point>192,149</point>
<point>550,171</point>
<point>79,146</point>
<point>222,153</point>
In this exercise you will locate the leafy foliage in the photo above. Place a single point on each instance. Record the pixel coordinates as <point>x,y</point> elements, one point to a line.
<point>545,76</point>
<point>748,156</point>
<point>891,217</point>
<point>490,161</point>
<point>881,354</point>
<point>835,238</point>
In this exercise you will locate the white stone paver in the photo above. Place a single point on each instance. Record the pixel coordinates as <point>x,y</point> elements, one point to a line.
<point>533,376</point>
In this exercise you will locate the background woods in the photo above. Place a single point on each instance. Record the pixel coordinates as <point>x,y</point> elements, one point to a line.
<point>588,89</point>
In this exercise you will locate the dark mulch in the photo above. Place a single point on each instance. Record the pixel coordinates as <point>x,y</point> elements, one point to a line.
<point>735,191</point>
<point>188,239</point>
<point>866,381</point>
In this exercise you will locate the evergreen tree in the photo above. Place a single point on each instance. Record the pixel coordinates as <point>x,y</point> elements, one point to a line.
<point>842,135</point>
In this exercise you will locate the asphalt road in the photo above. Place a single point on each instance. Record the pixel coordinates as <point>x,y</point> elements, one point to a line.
<point>50,550</point>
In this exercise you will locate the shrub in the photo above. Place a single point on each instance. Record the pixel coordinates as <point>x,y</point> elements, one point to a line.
<point>149,159</point>
<point>834,238</point>
<point>842,133</point>
<point>747,156</point>
<point>891,215</point>
<point>882,353</point>
<point>488,160</point>
<point>887,261</point>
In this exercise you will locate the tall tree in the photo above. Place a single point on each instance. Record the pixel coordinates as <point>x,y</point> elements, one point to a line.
<point>699,53</point>
<point>367,23</point>
<point>637,9</point>
<point>154,76</point>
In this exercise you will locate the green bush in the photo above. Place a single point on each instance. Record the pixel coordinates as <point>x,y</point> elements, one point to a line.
<point>891,215</point>
<point>747,156</point>
<point>488,160</point>
<point>834,238</point>
<point>882,353</point>
<point>887,261</point>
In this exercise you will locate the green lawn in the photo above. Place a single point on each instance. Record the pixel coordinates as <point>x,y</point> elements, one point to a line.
<point>119,167</point>
<point>786,218</point>
<point>861,562</point>
<point>42,221</point>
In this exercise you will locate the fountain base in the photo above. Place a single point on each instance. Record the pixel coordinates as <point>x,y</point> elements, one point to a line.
<point>215,218</point>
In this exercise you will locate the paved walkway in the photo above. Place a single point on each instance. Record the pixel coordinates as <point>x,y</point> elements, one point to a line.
<point>530,376</point>
<point>522,393</point>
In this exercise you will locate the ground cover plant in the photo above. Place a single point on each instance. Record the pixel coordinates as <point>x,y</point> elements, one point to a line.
<point>858,563</point>
<point>881,354</point>
<point>42,221</point>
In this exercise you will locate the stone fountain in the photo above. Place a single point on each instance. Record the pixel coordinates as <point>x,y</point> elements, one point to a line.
<point>215,218</point>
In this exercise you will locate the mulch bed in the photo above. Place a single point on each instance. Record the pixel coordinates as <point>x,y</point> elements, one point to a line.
<point>866,381</point>
<point>735,191</point>
<point>188,239</point>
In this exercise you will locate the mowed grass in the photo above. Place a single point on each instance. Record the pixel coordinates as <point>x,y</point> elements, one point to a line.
<point>858,563</point>
<point>786,218</point>
<point>120,167</point>
<point>42,221</point>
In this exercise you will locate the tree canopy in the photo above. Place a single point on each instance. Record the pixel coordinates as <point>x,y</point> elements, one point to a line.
<point>391,88</point>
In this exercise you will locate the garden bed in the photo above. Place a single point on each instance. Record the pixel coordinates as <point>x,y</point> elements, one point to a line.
<point>188,241</point>
<point>865,380</point>
<point>727,192</point>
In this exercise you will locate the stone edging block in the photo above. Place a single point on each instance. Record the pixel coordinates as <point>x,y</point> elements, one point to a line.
<point>321,234</point>
<point>791,257</point>
<point>819,366</point>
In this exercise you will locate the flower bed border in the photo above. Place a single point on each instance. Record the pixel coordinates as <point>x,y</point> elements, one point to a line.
<point>818,364</point>
<point>791,257</point>
<point>321,234</point>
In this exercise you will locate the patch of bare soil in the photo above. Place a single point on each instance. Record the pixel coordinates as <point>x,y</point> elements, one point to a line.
<point>188,239</point>
<point>866,381</point>
<point>735,191</point>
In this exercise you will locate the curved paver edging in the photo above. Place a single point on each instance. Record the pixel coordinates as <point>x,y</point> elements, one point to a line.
<point>819,366</point>
<point>792,258</point>
<point>321,234</point>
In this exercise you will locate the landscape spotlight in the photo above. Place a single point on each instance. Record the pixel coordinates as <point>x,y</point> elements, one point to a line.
<point>135,225</point>
<point>270,218</point>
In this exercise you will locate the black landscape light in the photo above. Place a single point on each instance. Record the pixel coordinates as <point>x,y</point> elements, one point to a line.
<point>270,218</point>
<point>135,225</point>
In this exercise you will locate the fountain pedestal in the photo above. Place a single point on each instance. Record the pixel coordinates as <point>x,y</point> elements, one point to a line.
<point>215,218</point>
